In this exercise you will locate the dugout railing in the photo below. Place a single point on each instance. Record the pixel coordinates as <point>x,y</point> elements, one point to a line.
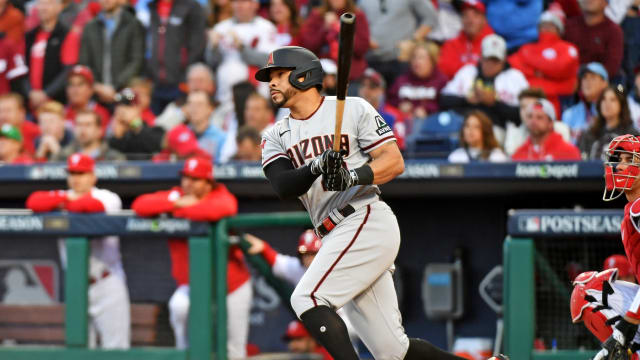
<point>543,250</point>
<point>208,247</point>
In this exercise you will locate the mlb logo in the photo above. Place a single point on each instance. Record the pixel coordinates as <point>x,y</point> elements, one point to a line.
<point>29,282</point>
<point>532,224</point>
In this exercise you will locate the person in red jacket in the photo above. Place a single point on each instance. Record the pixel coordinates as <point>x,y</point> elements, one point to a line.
<point>320,33</point>
<point>543,143</point>
<point>109,306</point>
<point>550,64</point>
<point>200,198</point>
<point>466,47</point>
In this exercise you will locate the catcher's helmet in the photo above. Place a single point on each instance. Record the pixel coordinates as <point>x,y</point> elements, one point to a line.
<point>309,243</point>
<point>302,62</point>
<point>620,172</point>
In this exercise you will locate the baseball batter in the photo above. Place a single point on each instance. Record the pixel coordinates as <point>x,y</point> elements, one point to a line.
<point>360,233</point>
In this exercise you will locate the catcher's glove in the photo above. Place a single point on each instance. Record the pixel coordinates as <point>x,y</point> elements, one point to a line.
<point>617,345</point>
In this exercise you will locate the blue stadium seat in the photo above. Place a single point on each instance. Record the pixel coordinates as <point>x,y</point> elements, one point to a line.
<point>435,136</point>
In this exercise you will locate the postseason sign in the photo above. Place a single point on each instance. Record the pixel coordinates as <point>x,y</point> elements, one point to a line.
<point>540,223</point>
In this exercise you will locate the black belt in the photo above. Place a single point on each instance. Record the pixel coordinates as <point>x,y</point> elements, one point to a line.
<point>330,222</point>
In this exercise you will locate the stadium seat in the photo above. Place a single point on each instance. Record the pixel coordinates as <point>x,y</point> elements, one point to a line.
<point>435,136</point>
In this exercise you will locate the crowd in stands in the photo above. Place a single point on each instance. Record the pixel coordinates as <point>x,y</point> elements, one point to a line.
<point>467,80</point>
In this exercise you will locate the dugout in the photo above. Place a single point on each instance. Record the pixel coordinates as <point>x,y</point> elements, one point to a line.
<point>543,252</point>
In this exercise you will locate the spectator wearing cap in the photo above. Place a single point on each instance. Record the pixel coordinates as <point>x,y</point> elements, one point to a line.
<point>543,143</point>
<point>330,79</point>
<point>79,96</point>
<point>593,80</point>
<point>515,136</point>
<point>12,22</point>
<point>299,341</point>
<point>200,198</point>
<point>466,47</point>
<point>285,16</point>
<point>391,22</point>
<point>373,89</point>
<point>477,141</point>
<point>180,143</point>
<point>11,151</point>
<point>130,134</point>
<point>176,39</point>
<point>89,139</point>
<point>199,78</point>
<point>550,63</point>
<point>143,88</point>
<point>634,98</point>
<point>108,300</point>
<point>44,55</point>
<point>491,86</point>
<point>12,111</point>
<point>416,92</point>
<point>248,144</point>
<point>515,20</point>
<point>258,112</point>
<point>54,135</point>
<point>112,46</point>
<point>598,39</point>
<point>199,111</point>
<point>320,34</point>
<point>620,262</point>
<point>613,120</point>
<point>238,46</point>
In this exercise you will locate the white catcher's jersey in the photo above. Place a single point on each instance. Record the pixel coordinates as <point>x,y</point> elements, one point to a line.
<point>363,130</point>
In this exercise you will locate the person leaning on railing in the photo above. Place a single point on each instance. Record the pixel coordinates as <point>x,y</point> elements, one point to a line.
<point>200,198</point>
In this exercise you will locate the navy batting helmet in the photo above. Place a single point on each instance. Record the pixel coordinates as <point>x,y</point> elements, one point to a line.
<point>302,62</point>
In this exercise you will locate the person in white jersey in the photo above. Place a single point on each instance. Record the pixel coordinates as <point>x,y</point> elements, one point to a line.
<point>360,233</point>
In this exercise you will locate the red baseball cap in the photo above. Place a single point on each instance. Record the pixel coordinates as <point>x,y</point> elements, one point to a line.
<point>295,330</point>
<point>309,243</point>
<point>198,167</point>
<point>474,4</point>
<point>182,140</point>
<point>83,71</point>
<point>620,262</point>
<point>80,163</point>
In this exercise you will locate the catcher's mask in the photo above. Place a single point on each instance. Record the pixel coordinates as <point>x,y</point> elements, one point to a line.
<point>621,167</point>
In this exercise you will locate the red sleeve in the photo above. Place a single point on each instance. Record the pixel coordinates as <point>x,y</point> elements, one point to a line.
<point>85,204</point>
<point>43,201</point>
<point>362,37</point>
<point>313,32</point>
<point>269,254</point>
<point>153,204</point>
<point>218,204</point>
<point>449,62</point>
<point>615,49</point>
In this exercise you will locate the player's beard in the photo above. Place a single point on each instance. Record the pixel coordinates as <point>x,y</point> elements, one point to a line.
<point>286,95</point>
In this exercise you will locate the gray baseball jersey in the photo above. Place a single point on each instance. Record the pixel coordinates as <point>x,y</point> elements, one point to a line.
<point>301,140</point>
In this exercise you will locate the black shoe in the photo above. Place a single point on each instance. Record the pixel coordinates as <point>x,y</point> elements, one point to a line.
<point>499,357</point>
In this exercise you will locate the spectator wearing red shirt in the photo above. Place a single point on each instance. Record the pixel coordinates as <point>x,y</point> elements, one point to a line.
<point>79,95</point>
<point>48,72</point>
<point>416,92</point>
<point>598,39</point>
<point>181,143</point>
<point>13,75</point>
<point>466,47</point>
<point>299,341</point>
<point>544,144</point>
<point>11,146</point>
<point>12,111</point>
<point>550,63</point>
<point>284,14</point>
<point>200,198</point>
<point>320,35</point>
<point>12,22</point>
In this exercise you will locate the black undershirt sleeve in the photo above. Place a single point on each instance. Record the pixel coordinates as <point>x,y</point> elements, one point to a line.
<point>289,183</point>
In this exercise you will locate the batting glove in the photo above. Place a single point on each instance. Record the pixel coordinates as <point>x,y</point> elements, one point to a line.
<point>340,181</point>
<point>329,162</point>
<point>617,345</point>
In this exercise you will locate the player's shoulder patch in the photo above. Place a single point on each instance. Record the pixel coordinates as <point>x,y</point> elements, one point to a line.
<point>381,126</point>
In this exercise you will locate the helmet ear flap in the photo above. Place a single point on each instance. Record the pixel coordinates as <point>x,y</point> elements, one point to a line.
<point>312,74</point>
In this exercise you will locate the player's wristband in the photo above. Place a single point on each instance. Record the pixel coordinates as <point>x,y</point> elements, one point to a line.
<point>362,175</point>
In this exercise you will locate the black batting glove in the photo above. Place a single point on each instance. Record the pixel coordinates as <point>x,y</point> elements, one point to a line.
<point>617,345</point>
<point>329,162</point>
<point>340,181</point>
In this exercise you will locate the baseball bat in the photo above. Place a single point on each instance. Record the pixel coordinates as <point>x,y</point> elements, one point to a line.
<point>345,53</point>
